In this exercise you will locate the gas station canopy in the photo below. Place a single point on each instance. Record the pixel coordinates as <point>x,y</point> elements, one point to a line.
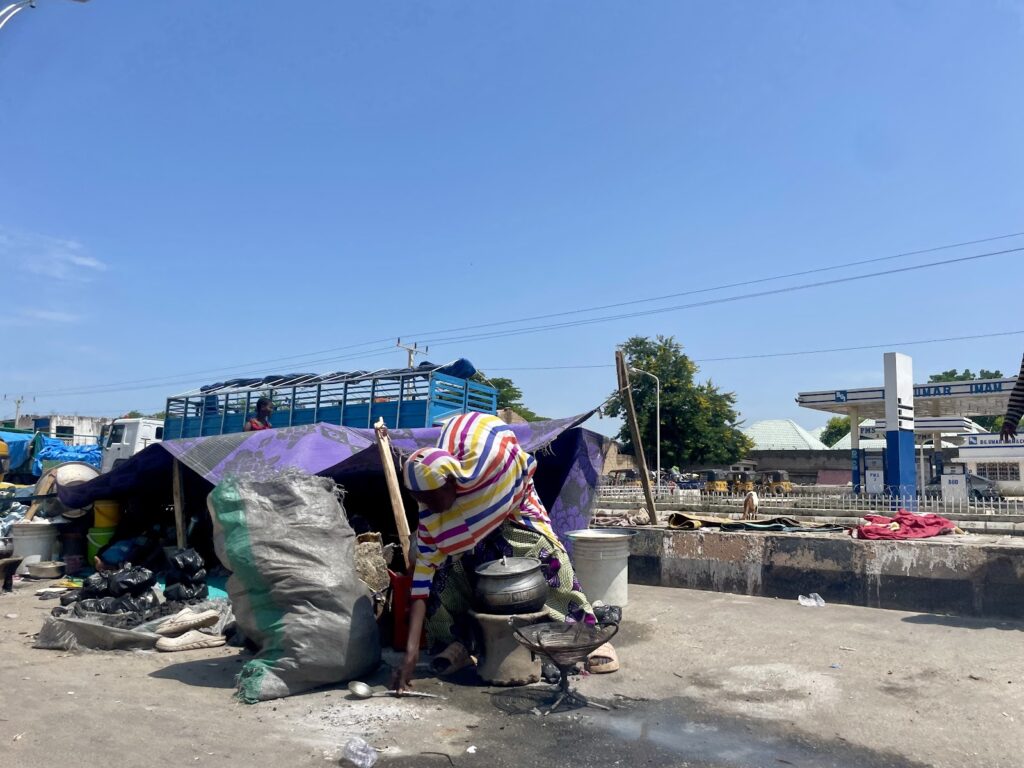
<point>984,397</point>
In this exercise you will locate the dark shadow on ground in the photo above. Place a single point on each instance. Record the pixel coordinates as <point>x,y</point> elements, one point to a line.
<point>672,732</point>
<point>965,622</point>
<point>203,673</point>
<point>530,701</point>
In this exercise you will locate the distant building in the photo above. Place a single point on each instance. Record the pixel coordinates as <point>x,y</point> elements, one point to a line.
<point>615,460</point>
<point>73,430</point>
<point>510,417</point>
<point>782,435</point>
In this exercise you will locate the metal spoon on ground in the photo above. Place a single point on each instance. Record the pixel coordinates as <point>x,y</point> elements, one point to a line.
<point>363,691</point>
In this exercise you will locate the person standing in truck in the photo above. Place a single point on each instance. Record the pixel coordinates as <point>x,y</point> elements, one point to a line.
<point>1015,409</point>
<point>264,410</point>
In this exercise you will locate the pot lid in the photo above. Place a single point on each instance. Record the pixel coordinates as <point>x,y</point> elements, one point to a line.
<point>509,566</point>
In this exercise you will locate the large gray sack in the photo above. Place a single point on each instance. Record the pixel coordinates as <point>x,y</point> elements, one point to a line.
<point>293,588</point>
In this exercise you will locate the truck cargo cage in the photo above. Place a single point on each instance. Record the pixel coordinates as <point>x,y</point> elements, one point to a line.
<point>404,397</point>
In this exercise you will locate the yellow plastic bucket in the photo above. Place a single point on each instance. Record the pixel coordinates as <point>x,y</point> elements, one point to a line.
<point>106,513</point>
<point>96,539</point>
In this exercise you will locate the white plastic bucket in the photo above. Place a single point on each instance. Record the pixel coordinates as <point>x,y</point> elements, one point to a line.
<point>601,560</point>
<point>34,542</point>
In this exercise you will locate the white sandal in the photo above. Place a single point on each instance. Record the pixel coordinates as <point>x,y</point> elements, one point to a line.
<point>190,641</point>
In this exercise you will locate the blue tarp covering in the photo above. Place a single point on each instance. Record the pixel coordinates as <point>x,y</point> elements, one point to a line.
<point>17,445</point>
<point>52,449</point>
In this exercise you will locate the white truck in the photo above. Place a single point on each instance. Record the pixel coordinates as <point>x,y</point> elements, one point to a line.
<point>123,438</point>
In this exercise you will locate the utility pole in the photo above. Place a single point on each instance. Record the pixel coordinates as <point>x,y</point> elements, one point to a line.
<point>413,351</point>
<point>626,393</point>
<point>17,408</point>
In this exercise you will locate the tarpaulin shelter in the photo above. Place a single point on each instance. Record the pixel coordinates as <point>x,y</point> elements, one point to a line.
<point>569,458</point>
<point>18,446</point>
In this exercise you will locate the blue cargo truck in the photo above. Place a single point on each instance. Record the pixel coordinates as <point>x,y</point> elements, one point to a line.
<point>406,397</point>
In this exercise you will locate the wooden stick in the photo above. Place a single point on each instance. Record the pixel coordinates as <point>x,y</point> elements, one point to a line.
<point>626,393</point>
<point>394,490</point>
<point>43,488</point>
<point>179,505</point>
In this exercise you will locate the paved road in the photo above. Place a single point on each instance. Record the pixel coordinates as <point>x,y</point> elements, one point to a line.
<point>707,680</point>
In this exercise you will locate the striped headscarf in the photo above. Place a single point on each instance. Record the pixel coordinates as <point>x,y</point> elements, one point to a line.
<point>494,482</point>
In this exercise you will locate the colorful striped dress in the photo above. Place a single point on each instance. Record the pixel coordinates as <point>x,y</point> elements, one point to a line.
<point>494,482</point>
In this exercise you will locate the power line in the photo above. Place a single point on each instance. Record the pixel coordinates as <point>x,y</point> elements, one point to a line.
<point>861,347</point>
<point>723,300</point>
<point>174,378</point>
<point>725,286</point>
<point>761,356</point>
<point>171,379</point>
<point>115,388</point>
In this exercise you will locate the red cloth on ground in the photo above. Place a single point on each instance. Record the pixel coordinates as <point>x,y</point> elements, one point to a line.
<point>907,526</point>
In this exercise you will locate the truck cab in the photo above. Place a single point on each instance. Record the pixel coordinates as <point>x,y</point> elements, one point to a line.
<point>123,438</point>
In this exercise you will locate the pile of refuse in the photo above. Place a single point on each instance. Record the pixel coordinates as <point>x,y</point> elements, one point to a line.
<point>133,590</point>
<point>186,580</point>
<point>129,590</point>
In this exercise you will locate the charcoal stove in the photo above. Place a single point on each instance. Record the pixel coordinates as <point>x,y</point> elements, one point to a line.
<point>566,645</point>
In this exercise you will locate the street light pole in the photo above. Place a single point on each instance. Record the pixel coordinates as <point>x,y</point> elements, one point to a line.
<point>657,424</point>
<point>15,8</point>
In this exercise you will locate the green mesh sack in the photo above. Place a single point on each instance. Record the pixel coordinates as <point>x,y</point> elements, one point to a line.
<point>293,586</point>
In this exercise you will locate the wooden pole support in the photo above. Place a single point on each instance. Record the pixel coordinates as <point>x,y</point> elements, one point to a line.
<point>179,505</point>
<point>626,393</point>
<point>394,490</point>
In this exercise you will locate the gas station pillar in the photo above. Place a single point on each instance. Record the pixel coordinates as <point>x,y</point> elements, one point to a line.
<point>855,448</point>
<point>900,472</point>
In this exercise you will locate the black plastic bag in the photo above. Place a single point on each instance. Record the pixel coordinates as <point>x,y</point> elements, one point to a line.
<point>183,593</point>
<point>95,586</point>
<point>90,605</point>
<point>70,597</point>
<point>186,560</point>
<point>177,576</point>
<point>141,605</point>
<point>131,581</point>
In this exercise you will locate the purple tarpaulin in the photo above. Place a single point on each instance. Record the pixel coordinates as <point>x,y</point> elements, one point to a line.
<point>570,460</point>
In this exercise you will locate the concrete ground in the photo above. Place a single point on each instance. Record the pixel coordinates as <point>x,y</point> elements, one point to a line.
<point>707,680</point>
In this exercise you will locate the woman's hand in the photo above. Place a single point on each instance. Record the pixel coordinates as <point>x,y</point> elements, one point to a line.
<point>401,678</point>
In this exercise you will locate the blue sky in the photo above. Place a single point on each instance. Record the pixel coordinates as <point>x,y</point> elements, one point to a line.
<point>191,187</point>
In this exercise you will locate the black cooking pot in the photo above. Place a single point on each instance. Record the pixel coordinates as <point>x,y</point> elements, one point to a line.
<point>510,585</point>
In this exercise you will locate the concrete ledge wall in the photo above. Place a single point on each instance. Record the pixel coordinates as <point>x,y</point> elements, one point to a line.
<point>957,575</point>
<point>1001,525</point>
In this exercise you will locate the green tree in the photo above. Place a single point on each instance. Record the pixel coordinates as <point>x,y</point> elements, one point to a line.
<point>837,428</point>
<point>509,396</point>
<point>699,422</point>
<point>991,423</point>
<point>141,415</point>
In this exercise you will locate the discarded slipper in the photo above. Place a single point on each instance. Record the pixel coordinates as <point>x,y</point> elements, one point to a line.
<point>185,620</point>
<point>604,659</point>
<point>451,660</point>
<point>190,641</point>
